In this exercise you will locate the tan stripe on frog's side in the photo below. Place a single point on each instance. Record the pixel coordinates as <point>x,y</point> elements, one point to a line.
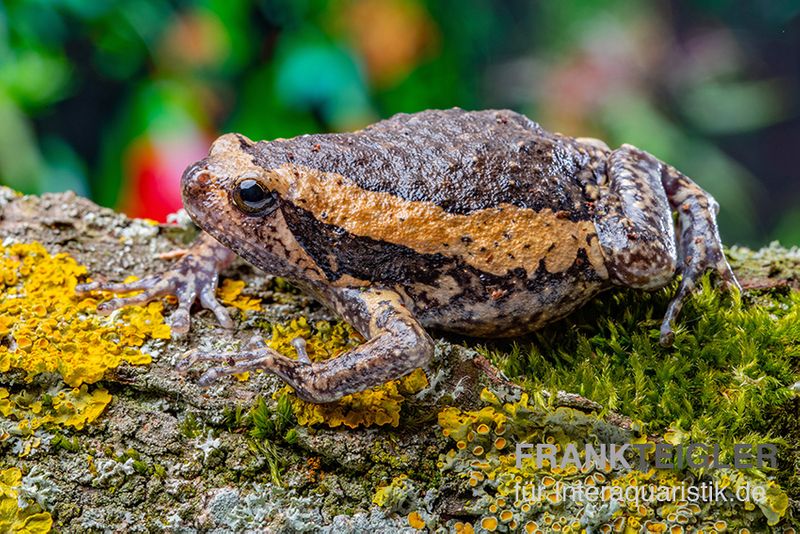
<point>495,240</point>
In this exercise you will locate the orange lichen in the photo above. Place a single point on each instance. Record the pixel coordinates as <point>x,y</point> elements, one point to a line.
<point>489,524</point>
<point>18,515</point>
<point>415,521</point>
<point>379,405</point>
<point>230,293</point>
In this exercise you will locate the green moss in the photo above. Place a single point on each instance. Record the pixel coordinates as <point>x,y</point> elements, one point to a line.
<point>159,471</point>
<point>63,442</point>
<point>190,427</point>
<point>727,379</point>
<point>233,417</point>
<point>268,423</point>
<point>141,467</point>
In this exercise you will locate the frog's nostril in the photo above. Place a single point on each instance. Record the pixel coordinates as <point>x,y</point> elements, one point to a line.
<point>202,177</point>
<point>196,174</point>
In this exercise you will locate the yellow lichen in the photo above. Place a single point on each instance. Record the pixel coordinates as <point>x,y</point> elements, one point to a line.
<point>230,293</point>
<point>379,405</point>
<point>489,523</point>
<point>14,516</point>
<point>47,329</point>
<point>393,494</point>
<point>524,494</point>
<point>69,407</point>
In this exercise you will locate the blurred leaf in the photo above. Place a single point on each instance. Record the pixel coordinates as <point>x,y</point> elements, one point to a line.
<point>564,23</point>
<point>788,229</point>
<point>260,114</point>
<point>21,165</point>
<point>391,36</point>
<point>195,40</point>
<point>125,36</point>
<point>66,171</point>
<point>287,14</point>
<point>728,107</point>
<point>159,108</point>
<point>237,21</point>
<point>35,78</point>
<point>315,73</point>
<point>36,23</point>
<point>631,119</point>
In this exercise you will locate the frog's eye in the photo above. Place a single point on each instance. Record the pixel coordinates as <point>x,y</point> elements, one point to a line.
<point>252,197</point>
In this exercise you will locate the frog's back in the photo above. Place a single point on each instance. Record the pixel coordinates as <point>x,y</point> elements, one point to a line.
<point>481,220</point>
<point>461,161</point>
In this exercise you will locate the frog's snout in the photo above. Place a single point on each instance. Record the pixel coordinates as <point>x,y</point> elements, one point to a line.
<point>195,172</point>
<point>194,179</point>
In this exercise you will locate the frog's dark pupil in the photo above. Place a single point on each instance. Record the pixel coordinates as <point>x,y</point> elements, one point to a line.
<point>253,196</point>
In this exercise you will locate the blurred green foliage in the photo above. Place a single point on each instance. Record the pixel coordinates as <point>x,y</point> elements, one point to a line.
<point>114,98</point>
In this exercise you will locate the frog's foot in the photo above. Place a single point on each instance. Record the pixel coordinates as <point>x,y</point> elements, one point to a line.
<point>254,349</point>
<point>397,345</point>
<point>230,359</point>
<point>699,244</point>
<point>193,277</point>
<point>636,231</point>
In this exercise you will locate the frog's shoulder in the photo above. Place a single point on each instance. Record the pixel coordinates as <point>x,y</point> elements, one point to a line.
<point>462,161</point>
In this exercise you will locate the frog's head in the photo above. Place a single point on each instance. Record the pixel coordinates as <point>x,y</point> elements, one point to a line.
<point>235,197</point>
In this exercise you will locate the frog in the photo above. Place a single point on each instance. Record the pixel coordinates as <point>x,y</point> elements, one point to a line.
<point>479,223</point>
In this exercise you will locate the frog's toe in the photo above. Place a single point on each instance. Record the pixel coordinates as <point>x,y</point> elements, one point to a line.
<point>667,337</point>
<point>186,291</point>
<point>151,289</point>
<point>188,360</point>
<point>255,342</point>
<point>180,321</point>
<point>233,359</point>
<point>209,301</point>
<point>115,287</point>
<point>300,346</point>
<point>726,276</point>
<point>262,359</point>
<point>704,258</point>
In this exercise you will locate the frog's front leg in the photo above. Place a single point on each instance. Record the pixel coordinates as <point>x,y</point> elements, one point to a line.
<point>396,345</point>
<point>635,228</point>
<point>193,277</point>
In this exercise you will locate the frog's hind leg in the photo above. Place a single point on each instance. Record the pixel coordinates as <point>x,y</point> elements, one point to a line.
<point>397,344</point>
<point>636,231</point>
<point>699,243</point>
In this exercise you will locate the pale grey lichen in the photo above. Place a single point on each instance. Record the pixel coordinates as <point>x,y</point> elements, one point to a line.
<point>207,444</point>
<point>595,515</point>
<point>263,506</point>
<point>138,230</point>
<point>180,218</point>
<point>111,472</point>
<point>37,488</point>
<point>374,522</point>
